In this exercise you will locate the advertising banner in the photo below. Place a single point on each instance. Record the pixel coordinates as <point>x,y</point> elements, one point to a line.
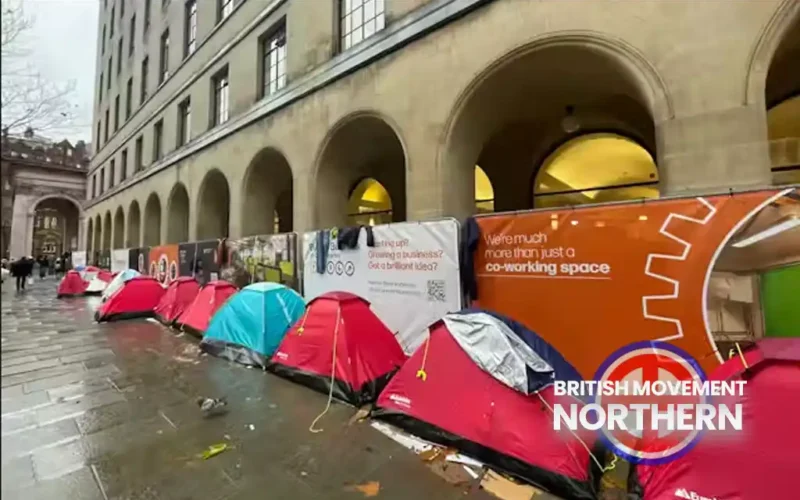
<point>410,276</point>
<point>204,270</point>
<point>591,280</point>
<point>138,259</point>
<point>262,258</point>
<point>163,263</point>
<point>119,260</point>
<point>104,261</point>
<point>78,258</point>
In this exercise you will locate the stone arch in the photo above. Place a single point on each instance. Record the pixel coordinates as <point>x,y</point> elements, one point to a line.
<point>484,191</point>
<point>107,231</point>
<point>134,226</point>
<point>508,118</point>
<point>369,203</point>
<point>213,206</point>
<point>119,228</point>
<point>89,235</point>
<point>98,234</point>
<point>267,194</point>
<point>152,221</point>
<point>178,214</point>
<point>54,226</point>
<point>361,145</point>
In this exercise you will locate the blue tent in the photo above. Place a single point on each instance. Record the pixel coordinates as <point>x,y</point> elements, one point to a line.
<point>251,324</point>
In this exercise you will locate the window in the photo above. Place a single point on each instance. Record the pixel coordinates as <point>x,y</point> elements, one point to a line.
<point>112,173</point>
<point>138,151</point>
<point>146,16</point>
<point>158,140</point>
<point>102,179</point>
<point>273,61</point>
<point>190,28</point>
<point>103,42</point>
<point>219,114</point>
<point>123,166</point>
<point>116,113</point>
<point>129,99</point>
<point>224,9</point>
<point>111,24</point>
<point>120,46</point>
<point>121,9</point>
<point>163,72</point>
<point>184,122</point>
<point>132,39</point>
<point>98,131</point>
<point>110,65</point>
<point>105,128</point>
<point>100,90</point>
<point>360,19</point>
<point>143,87</point>
<point>94,186</point>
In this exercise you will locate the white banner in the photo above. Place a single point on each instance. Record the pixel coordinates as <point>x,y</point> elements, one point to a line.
<point>78,258</point>
<point>119,260</point>
<point>410,276</point>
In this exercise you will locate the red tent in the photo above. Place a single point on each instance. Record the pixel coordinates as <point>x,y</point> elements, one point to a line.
<point>104,275</point>
<point>196,317</point>
<point>441,395</point>
<point>761,460</point>
<point>71,285</point>
<point>136,299</point>
<point>179,295</point>
<point>367,353</point>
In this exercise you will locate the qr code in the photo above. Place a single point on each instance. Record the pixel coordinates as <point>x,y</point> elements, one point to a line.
<point>436,291</point>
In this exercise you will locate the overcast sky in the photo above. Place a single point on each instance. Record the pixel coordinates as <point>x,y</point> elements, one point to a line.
<point>62,41</point>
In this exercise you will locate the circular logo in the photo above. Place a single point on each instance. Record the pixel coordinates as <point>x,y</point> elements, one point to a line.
<point>173,271</point>
<point>329,267</point>
<point>163,265</point>
<point>339,267</point>
<point>640,365</point>
<point>349,268</point>
<point>153,269</point>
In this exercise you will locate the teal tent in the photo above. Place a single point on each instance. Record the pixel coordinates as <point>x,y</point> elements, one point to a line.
<point>251,324</point>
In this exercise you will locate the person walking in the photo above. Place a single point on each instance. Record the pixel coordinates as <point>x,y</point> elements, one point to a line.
<point>43,265</point>
<point>22,269</point>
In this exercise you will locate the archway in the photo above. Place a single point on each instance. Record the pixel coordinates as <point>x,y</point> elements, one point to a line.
<point>152,221</point>
<point>178,215</point>
<point>213,206</point>
<point>511,119</point>
<point>107,231</point>
<point>369,204</point>
<point>119,229</point>
<point>484,192</point>
<point>98,234</point>
<point>267,194</point>
<point>89,235</point>
<point>360,147</point>
<point>55,227</point>
<point>134,225</point>
<point>782,97</point>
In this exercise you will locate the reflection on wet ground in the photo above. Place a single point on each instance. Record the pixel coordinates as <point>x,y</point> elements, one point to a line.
<point>108,412</point>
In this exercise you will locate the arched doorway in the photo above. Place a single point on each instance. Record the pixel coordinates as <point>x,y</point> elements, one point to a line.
<point>369,204</point>
<point>484,192</point>
<point>178,215</point>
<point>152,221</point>
<point>89,235</point>
<point>782,96</point>
<point>134,225</point>
<point>360,147</point>
<point>119,229</point>
<point>267,194</point>
<point>55,227</point>
<point>595,168</point>
<point>512,119</point>
<point>107,231</point>
<point>213,206</point>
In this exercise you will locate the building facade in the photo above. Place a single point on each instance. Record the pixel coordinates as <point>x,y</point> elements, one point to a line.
<point>44,186</point>
<point>237,117</point>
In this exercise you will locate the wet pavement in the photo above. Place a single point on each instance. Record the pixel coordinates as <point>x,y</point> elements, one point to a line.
<point>108,412</point>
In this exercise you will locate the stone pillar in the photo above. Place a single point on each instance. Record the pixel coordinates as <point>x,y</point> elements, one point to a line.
<point>82,231</point>
<point>303,212</point>
<point>21,226</point>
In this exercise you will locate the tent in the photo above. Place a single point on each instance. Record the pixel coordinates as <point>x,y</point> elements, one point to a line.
<point>761,460</point>
<point>98,280</point>
<point>180,294</point>
<point>251,324</point>
<point>339,329</point>
<point>71,285</point>
<point>473,386</point>
<point>136,299</point>
<point>118,281</point>
<point>196,317</point>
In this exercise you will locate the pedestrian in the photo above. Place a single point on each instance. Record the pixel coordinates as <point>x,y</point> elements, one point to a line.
<point>21,269</point>
<point>43,264</point>
<point>58,267</point>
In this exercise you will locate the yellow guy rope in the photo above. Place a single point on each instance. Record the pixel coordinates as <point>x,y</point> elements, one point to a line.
<point>421,373</point>
<point>311,428</point>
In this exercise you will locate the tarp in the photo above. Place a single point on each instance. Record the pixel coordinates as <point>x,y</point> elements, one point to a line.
<point>252,323</point>
<point>71,285</point>
<point>196,317</point>
<point>179,295</point>
<point>136,299</point>
<point>761,460</point>
<point>339,329</point>
<point>118,281</point>
<point>441,395</point>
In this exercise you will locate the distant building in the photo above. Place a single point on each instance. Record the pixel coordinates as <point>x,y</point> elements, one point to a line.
<point>43,184</point>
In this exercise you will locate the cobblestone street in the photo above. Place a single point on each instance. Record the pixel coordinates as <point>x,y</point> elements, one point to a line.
<point>108,412</point>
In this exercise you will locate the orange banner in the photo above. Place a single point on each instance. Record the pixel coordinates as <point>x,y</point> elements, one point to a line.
<point>163,263</point>
<point>591,280</point>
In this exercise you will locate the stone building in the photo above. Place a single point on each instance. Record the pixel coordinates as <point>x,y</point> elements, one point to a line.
<point>44,185</point>
<point>237,117</point>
